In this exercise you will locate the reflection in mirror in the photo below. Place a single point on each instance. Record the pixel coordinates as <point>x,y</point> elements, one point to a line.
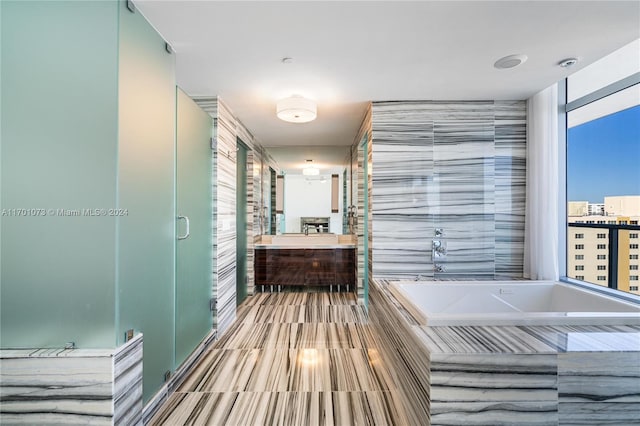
<point>316,199</point>
<point>273,209</point>
<point>345,202</point>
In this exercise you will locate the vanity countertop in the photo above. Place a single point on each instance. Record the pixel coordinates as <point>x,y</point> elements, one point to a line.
<point>302,241</point>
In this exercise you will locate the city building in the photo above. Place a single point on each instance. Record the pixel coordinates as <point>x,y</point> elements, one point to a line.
<point>588,248</point>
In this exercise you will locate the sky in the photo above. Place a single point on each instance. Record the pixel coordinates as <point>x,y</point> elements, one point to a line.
<point>603,157</point>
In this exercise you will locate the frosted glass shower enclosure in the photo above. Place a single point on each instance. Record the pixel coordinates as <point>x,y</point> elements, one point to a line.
<point>89,186</point>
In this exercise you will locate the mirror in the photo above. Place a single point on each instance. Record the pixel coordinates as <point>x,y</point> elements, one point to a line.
<point>313,200</point>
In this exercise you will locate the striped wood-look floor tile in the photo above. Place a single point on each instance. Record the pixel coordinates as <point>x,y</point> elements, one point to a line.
<point>290,359</point>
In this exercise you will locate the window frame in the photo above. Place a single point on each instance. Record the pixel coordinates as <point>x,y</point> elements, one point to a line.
<point>564,108</point>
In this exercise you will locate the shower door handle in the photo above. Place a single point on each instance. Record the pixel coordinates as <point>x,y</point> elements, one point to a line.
<point>186,235</point>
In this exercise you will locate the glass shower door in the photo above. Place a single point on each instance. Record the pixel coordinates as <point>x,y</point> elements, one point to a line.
<point>461,198</point>
<point>194,318</point>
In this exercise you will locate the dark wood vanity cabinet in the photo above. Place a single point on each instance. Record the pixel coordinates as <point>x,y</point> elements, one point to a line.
<point>305,267</point>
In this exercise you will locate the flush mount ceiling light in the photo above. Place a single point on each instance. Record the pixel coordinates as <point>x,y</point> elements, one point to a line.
<point>510,61</point>
<point>310,170</point>
<point>569,62</point>
<point>296,109</point>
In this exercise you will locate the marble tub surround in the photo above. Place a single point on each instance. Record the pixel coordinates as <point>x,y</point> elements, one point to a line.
<point>72,386</point>
<point>457,166</point>
<point>490,375</point>
<point>399,344</point>
<point>315,362</point>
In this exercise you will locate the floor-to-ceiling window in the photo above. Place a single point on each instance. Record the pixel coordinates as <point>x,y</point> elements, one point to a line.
<point>603,171</point>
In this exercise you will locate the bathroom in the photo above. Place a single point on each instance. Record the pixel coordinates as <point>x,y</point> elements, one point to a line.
<point>436,178</point>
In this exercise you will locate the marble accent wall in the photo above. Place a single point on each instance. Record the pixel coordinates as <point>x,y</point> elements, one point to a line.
<point>360,156</point>
<point>72,386</point>
<point>127,383</point>
<point>250,221</point>
<point>510,185</point>
<point>226,209</point>
<point>258,160</point>
<point>459,166</point>
<point>223,186</point>
<point>247,138</point>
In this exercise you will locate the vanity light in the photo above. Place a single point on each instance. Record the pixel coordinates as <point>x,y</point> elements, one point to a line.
<point>296,109</point>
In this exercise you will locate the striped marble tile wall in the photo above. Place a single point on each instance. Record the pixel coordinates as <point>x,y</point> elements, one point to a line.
<point>369,216</point>
<point>360,156</point>
<point>458,166</point>
<point>226,209</point>
<point>250,222</point>
<point>72,386</point>
<point>268,191</point>
<point>256,190</point>
<point>403,172</point>
<point>223,186</point>
<point>260,184</point>
<point>510,181</point>
<point>272,207</point>
<point>127,383</point>
<point>247,138</point>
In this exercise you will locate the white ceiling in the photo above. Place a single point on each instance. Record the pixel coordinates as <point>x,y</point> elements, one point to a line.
<point>346,54</point>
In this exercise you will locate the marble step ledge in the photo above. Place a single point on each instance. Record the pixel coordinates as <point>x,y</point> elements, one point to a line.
<point>72,386</point>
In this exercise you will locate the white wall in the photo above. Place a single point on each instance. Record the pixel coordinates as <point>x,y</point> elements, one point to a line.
<point>310,198</point>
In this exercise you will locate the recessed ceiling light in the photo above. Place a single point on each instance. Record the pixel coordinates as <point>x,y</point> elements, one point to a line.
<point>286,60</point>
<point>569,62</point>
<point>510,61</point>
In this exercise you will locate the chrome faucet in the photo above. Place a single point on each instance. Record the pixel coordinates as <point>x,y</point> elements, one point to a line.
<point>306,229</point>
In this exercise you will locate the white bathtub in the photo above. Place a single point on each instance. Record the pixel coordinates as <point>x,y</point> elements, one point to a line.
<point>439,303</point>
